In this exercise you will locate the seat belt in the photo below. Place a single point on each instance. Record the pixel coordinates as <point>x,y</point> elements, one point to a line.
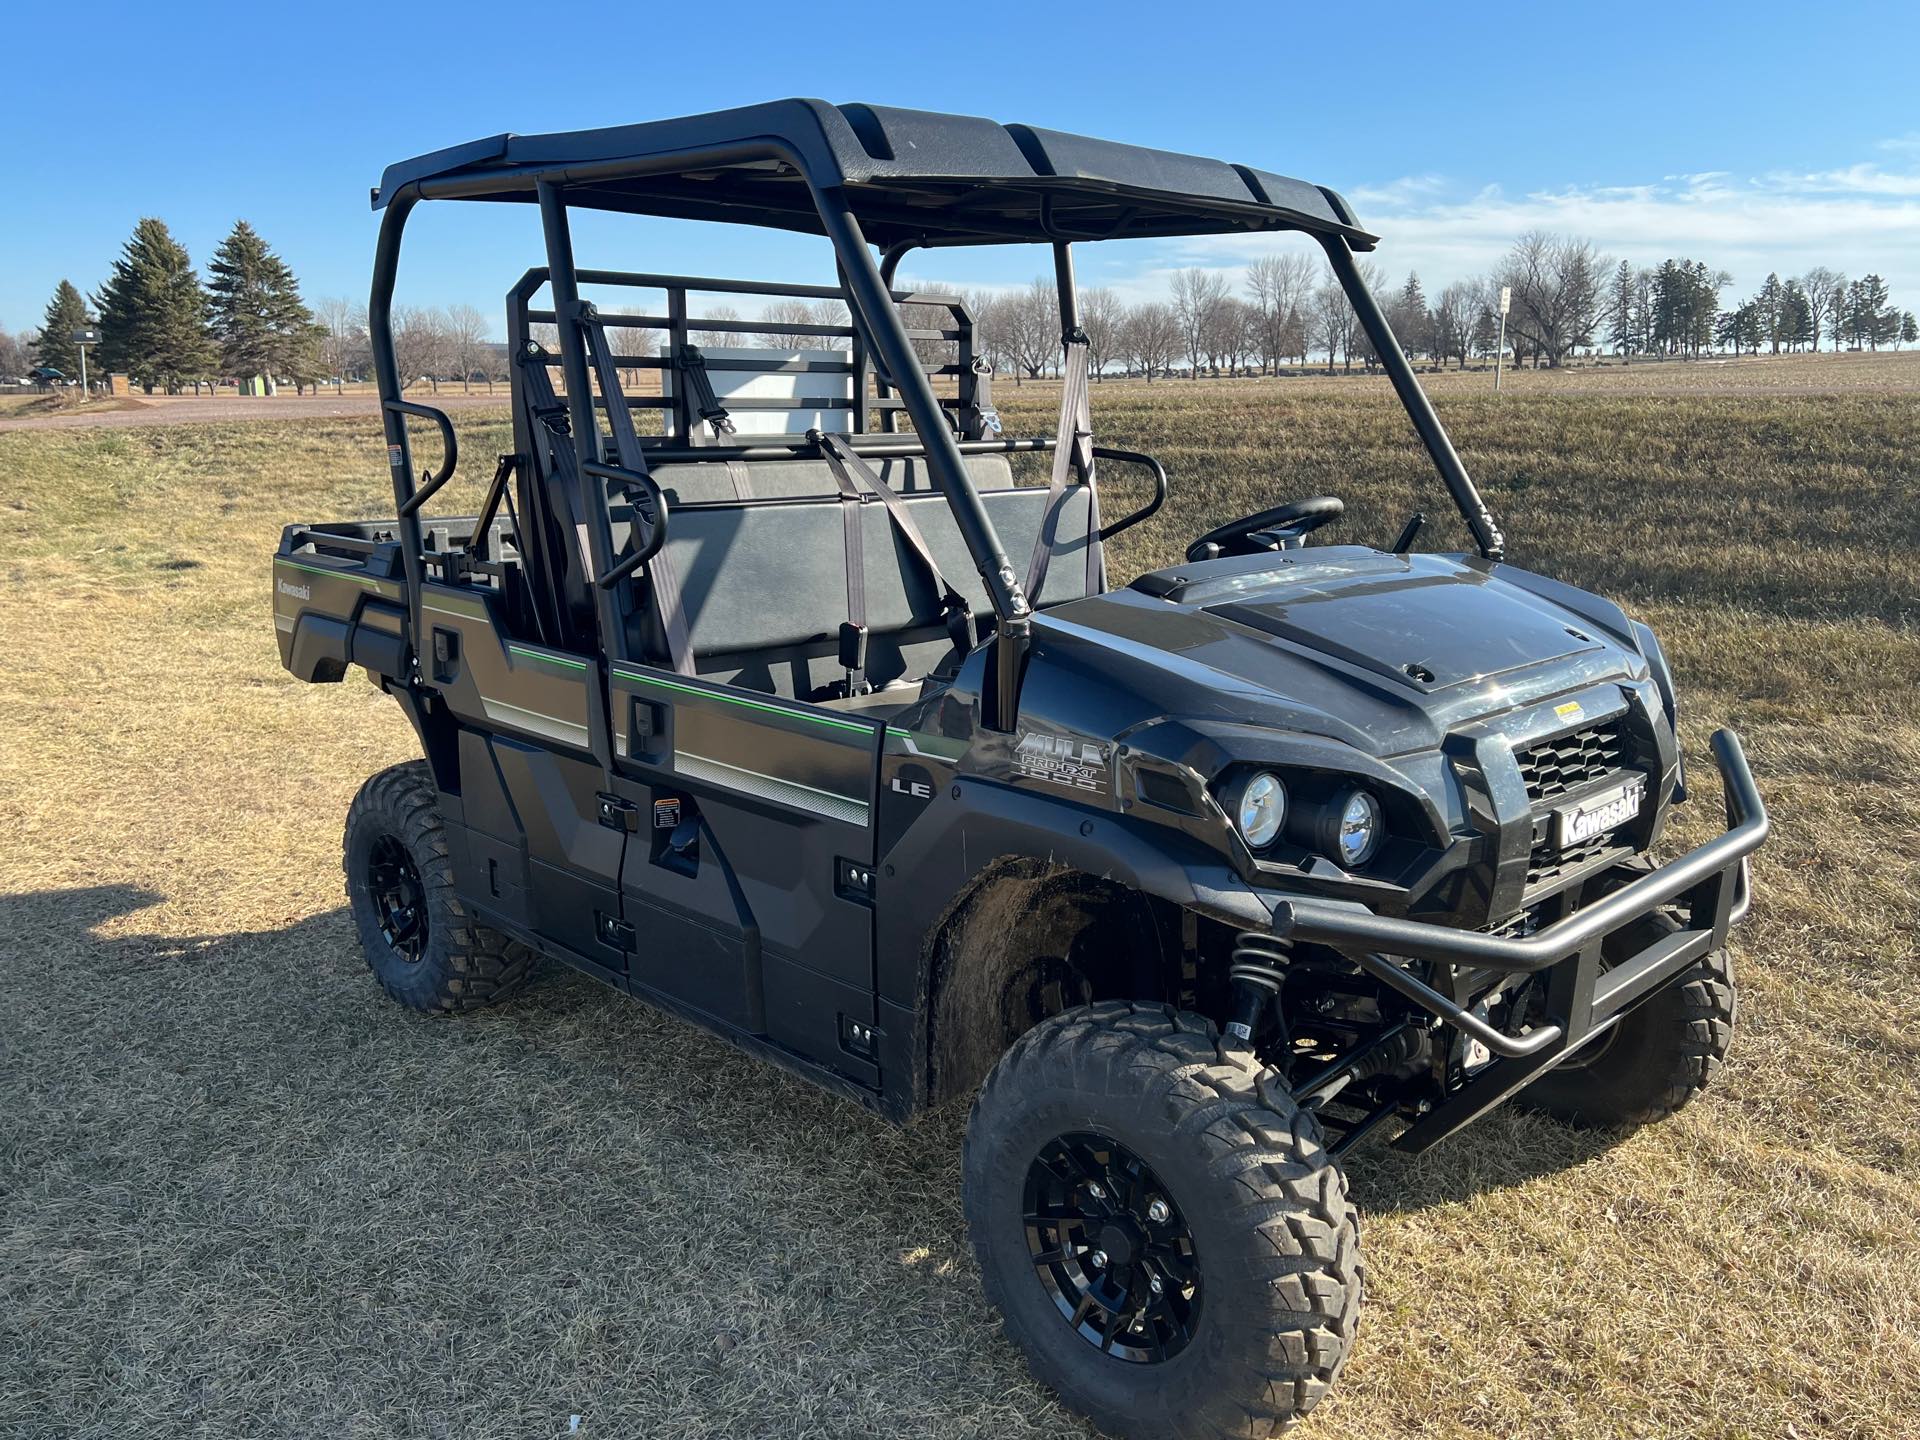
<point>853,634</point>
<point>662,578</point>
<point>1073,449</point>
<point>851,471</point>
<point>693,365</point>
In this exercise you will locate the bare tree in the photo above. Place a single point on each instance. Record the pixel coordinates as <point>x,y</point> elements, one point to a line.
<point>1454,314</point>
<point>16,355</point>
<point>725,314</point>
<point>1100,315</point>
<point>1559,287</point>
<point>1031,326</point>
<point>1150,337</point>
<point>1280,285</point>
<point>343,349</point>
<point>1332,323</point>
<point>1823,288</point>
<point>988,311</point>
<point>419,345</point>
<point>1197,294</point>
<point>466,336</point>
<point>785,312</point>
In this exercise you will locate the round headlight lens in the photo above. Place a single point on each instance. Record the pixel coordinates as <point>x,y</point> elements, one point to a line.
<point>1359,828</point>
<point>1259,808</point>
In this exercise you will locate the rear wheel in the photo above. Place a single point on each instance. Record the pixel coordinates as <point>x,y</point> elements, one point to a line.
<point>1162,1230</point>
<point>420,942</point>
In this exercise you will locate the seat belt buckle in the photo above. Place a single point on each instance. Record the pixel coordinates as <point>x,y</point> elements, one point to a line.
<point>853,656</point>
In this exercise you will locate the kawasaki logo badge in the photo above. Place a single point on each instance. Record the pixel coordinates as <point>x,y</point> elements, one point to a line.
<point>296,592</point>
<point>1078,764</point>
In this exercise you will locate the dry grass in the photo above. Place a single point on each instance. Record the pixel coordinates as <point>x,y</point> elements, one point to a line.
<point>242,1195</point>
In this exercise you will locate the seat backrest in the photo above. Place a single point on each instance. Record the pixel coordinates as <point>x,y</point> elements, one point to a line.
<point>704,481</point>
<point>763,575</point>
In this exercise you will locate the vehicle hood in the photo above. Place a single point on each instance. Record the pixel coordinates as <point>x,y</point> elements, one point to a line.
<point>1383,652</point>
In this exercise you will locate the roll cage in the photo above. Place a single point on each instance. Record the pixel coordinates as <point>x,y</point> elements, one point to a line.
<point>863,177</point>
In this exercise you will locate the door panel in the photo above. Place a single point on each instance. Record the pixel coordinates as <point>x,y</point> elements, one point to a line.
<point>783,794</point>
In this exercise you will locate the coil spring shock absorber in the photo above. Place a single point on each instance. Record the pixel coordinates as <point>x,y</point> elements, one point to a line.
<point>1258,970</point>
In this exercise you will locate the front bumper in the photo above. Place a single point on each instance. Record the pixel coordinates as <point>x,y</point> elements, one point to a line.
<point>1709,885</point>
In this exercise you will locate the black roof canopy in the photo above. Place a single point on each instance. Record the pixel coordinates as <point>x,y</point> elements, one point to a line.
<point>911,177</point>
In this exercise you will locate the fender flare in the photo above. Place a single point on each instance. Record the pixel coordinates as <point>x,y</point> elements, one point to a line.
<point>957,844</point>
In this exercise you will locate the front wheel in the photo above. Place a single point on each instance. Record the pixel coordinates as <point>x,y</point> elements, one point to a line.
<point>1162,1230</point>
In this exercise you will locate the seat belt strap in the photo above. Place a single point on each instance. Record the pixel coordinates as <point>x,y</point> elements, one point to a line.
<point>853,634</point>
<point>662,579</point>
<point>693,365</point>
<point>850,469</point>
<point>1072,450</point>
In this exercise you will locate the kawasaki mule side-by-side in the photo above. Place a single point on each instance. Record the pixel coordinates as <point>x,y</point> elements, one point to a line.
<point>757,688</point>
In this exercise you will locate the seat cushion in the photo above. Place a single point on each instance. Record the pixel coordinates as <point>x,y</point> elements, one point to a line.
<point>757,575</point>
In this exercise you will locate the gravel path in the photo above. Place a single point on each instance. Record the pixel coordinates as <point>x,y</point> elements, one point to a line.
<point>189,410</point>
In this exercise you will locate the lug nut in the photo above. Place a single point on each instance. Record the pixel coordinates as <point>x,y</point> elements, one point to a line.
<point>1094,1189</point>
<point>1158,1212</point>
<point>1099,1258</point>
<point>1154,1284</point>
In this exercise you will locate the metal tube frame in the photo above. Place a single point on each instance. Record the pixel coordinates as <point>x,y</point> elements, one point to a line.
<point>868,292</point>
<point>1453,474</point>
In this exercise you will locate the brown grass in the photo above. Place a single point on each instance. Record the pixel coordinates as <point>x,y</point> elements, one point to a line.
<point>240,1194</point>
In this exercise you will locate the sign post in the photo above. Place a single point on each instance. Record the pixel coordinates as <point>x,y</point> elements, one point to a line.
<point>1500,349</point>
<point>83,338</point>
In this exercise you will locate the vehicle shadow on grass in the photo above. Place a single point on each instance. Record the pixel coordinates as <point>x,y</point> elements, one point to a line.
<point>611,1043</point>
<point>252,1096</point>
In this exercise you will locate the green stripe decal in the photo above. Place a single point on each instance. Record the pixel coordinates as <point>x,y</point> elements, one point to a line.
<point>868,728</point>
<point>366,580</point>
<point>550,659</point>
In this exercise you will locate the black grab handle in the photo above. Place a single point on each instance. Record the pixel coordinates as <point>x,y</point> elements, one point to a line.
<point>1134,457</point>
<point>449,444</point>
<point>656,529</point>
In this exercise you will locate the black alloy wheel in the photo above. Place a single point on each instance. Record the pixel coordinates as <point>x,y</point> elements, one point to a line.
<point>1112,1248</point>
<point>400,900</point>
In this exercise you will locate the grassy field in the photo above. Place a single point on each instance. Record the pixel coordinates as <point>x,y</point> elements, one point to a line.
<point>242,1194</point>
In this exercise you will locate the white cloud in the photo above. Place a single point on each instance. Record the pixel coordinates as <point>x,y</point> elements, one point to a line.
<point>1855,218</point>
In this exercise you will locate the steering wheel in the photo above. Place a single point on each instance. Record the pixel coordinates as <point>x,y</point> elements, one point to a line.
<point>1282,528</point>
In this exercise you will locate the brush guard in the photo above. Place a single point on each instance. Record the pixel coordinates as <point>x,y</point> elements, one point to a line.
<point>1709,885</point>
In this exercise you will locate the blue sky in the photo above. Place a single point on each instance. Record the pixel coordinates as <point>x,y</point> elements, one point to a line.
<point>1756,136</point>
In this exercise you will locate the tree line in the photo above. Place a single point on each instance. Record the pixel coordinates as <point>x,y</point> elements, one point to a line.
<point>1565,299</point>
<point>165,329</point>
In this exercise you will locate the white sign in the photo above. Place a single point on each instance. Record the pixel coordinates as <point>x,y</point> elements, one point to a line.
<point>1506,298</point>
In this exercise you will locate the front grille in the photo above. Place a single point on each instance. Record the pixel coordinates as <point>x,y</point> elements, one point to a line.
<point>1546,864</point>
<point>1554,766</point>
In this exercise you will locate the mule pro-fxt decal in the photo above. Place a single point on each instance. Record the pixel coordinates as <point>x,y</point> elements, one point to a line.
<point>1063,760</point>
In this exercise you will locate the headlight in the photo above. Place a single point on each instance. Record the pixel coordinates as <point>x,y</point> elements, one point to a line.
<point>1258,804</point>
<point>1351,831</point>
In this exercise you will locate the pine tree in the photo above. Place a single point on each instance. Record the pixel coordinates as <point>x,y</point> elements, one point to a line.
<point>1414,322</point>
<point>1626,340</point>
<point>1908,331</point>
<point>66,313</point>
<point>1769,306</point>
<point>257,317</point>
<point>1796,316</point>
<point>153,313</point>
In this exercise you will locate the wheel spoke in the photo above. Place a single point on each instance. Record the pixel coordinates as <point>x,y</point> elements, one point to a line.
<point>1098,1248</point>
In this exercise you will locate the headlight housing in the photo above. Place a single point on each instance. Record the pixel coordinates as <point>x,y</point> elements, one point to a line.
<point>1350,827</point>
<point>1257,801</point>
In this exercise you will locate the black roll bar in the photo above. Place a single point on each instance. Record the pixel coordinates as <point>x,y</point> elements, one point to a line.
<point>1453,474</point>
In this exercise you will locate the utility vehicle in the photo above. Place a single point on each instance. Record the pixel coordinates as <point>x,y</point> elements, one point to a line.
<point>757,688</point>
